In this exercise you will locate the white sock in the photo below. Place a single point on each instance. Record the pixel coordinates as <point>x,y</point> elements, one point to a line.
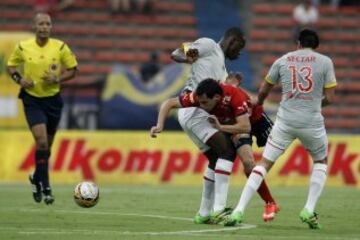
<point>317,182</point>
<point>223,170</point>
<point>253,183</point>
<point>207,197</point>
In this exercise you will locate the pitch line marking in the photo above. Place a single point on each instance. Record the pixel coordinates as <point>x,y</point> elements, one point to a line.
<point>92,232</point>
<point>182,232</point>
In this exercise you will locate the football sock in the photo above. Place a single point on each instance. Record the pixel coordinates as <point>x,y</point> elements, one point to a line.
<point>255,179</point>
<point>317,182</point>
<point>264,192</point>
<point>207,197</point>
<point>223,170</point>
<point>41,168</point>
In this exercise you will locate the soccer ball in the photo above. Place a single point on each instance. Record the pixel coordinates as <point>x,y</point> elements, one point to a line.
<point>86,194</point>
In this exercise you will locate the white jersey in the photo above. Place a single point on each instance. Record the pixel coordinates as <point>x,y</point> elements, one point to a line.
<point>210,64</point>
<point>303,75</point>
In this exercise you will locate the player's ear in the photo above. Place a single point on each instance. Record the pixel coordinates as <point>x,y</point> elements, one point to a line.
<point>217,97</point>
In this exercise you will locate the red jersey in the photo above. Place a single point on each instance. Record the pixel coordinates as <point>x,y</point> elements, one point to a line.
<point>234,102</point>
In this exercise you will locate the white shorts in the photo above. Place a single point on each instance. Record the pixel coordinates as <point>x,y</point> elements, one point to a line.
<point>195,123</point>
<point>314,140</point>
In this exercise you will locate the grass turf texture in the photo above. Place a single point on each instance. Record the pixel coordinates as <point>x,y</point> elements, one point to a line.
<point>166,212</point>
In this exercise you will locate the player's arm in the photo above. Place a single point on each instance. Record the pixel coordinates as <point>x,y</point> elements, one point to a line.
<point>69,62</point>
<point>18,78</point>
<point>180,55</point>
<point>67,75</point>
<point>163,113</point>
<point>264,92</point>
<point>330,84</point>
<point>242,124</point>
<point>271,79</point>
<point>329,95</point>
<point>16,59</point>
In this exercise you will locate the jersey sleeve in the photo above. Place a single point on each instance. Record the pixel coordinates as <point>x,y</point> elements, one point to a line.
<point>273,75</point>
<point>239,102</point>
<point>330,79</point>
<point>188,100</point>
<point>68,58</point>
<point>203,45</point>
<point>16,57</point>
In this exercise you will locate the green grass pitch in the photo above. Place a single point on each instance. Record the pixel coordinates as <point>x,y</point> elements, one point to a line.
<point>165,212</point>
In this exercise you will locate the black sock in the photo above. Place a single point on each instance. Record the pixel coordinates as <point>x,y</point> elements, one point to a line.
<point>42,168</point>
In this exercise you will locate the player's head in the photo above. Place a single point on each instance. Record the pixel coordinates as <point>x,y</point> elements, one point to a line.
<point>232,43</point>
<point>209,93</point>
<point>42,25</point>
<point>308,39</point>
<point>234,78</point>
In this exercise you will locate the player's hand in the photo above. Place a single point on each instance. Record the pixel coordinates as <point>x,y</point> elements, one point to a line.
<point>212,119</point>
<point>26,83</point>
<point>50,78</point>
<point>155,130</point>
<point>192,55</point>
<point>254,102</point>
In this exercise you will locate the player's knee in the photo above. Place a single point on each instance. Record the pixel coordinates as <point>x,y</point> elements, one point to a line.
<point>212,165</point>
<point>323,161</point>
<point>248,166</point>
<point>42,143</point>
<point>227,153</point>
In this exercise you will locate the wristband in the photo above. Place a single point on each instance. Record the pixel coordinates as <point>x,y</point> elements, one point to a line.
<point>16,77</point>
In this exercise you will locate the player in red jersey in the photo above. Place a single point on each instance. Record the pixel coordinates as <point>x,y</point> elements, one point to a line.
<point>261,126</point>
<point>232,114</point>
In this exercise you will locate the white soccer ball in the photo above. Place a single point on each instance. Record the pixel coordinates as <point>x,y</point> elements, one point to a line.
<point>86,194</point>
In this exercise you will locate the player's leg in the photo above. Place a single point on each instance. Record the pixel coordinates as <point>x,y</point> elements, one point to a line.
<point>222,145</point>
<point>53,108</point>
<point>42,154</point>
<point>316,142</point>
<point>244,150</point>
<point>280,138</point>
<point>205,136</point>
<point>36,119</point>
<point>207,196</point>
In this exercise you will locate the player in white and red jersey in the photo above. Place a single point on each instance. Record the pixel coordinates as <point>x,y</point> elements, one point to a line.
<point>308,83</point>
<point>231,114</point>
<point>207,59</point>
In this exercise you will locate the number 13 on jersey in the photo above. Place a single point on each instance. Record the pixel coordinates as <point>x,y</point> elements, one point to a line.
<point>305,74</point>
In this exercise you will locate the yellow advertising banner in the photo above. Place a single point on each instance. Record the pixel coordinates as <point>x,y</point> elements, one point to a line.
<point>130,157</point>
<point>11,112</point>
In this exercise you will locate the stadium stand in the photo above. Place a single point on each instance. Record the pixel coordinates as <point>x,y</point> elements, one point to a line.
<point>271,34</point>
<point>101,39</point>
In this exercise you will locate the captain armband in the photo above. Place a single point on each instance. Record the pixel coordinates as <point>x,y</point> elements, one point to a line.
<point>16,77</point>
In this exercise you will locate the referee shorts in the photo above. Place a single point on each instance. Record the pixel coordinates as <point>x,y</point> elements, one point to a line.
<point>45,110</point>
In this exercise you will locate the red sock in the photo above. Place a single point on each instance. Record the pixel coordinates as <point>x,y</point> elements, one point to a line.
<point>264,192</point>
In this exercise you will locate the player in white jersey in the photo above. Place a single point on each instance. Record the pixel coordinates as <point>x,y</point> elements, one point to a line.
<point>308,83</point>
<point>207,59</point>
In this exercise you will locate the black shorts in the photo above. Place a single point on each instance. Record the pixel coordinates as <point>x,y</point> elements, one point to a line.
<point>261,129</point>
<point>42,110</point>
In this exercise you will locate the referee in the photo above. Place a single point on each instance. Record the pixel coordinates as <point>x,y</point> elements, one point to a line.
<point>46,63</point>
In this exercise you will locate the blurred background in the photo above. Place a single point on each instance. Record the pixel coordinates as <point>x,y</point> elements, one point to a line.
<point>123,48</point>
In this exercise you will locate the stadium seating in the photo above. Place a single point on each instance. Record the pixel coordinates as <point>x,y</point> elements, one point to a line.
<point>100,39</point>
<point>271,36</point>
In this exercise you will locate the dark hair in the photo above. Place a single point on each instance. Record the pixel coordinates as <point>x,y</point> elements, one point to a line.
<point>234,32</point>
<point>309,38</point>
<point>209,87</point>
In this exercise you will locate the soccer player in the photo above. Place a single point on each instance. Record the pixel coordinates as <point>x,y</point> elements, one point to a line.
<point>46,63</point>
<point>207,59</point>
<point>261,126</point>
<point>230,106</point>
<point>308,83</point>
